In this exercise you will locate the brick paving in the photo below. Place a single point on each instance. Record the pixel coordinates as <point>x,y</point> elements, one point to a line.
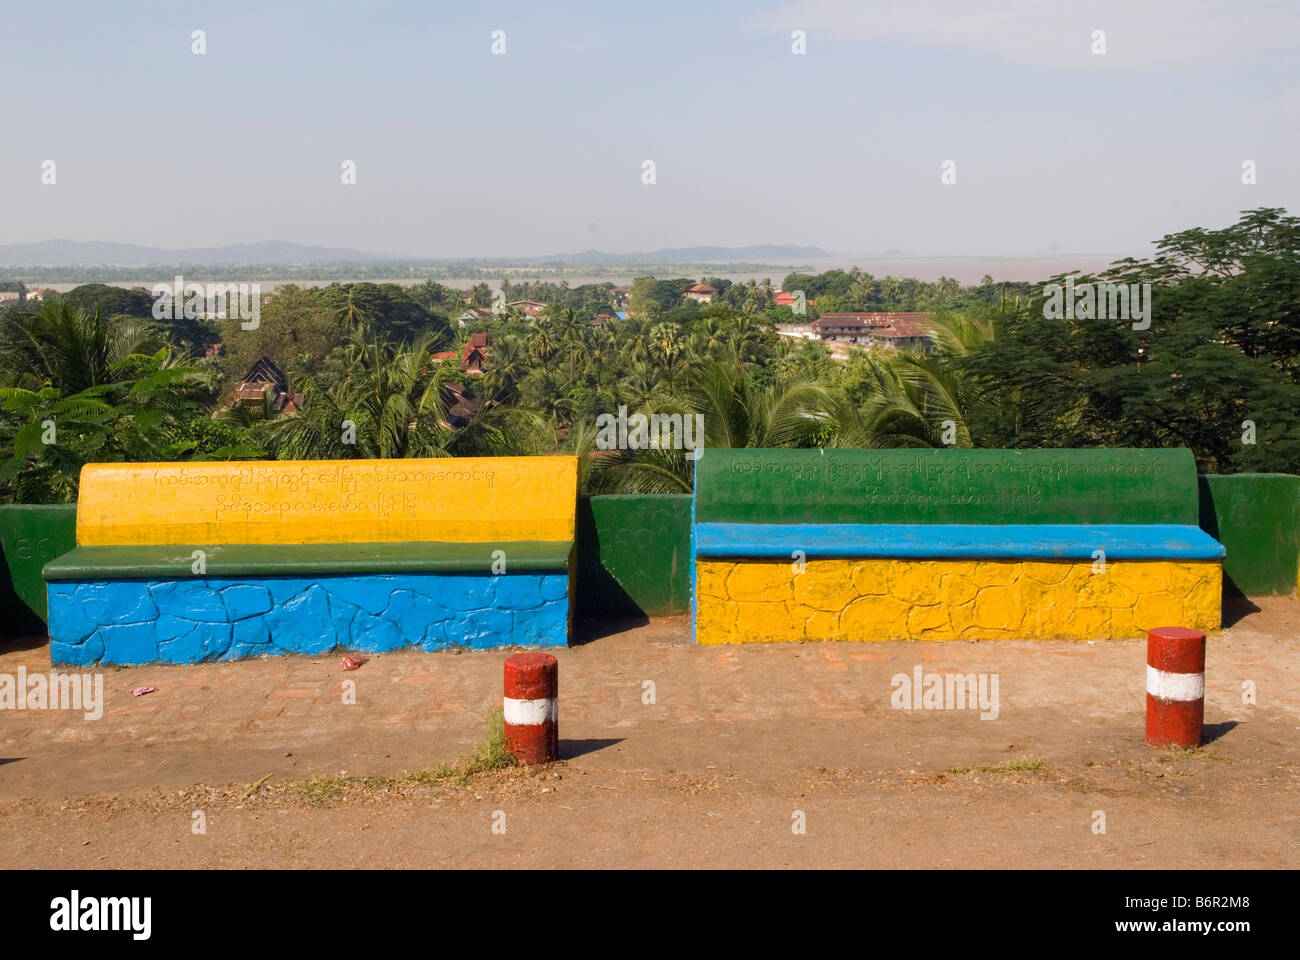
<point>771,722</point>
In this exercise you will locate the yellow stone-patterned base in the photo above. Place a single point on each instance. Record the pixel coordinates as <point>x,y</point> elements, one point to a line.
<point>895,599</point>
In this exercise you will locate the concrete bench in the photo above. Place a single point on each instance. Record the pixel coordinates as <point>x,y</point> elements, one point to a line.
<point>185,562</point>
<point>949,544</point>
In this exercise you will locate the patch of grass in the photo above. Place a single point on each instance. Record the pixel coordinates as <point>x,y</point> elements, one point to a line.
<point>1174,754</point>
<point>318,790</point>
<point>492,754</point>
<point>957,770</point>
<point>1026,764</point>
<point>489,755</point>
<point>254,787</point>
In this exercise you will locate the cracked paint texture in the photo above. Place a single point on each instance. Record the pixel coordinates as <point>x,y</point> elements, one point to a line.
<point>193,620</point>
<point>895,599</point>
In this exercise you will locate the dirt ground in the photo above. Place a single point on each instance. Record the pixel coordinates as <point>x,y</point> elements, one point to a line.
<point>712,773</point>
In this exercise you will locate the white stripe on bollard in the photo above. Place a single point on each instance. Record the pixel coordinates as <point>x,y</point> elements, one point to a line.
<point>1175,686</point>
<point>531,712</point>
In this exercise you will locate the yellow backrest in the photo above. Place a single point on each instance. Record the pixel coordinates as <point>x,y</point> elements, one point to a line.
<point>328,501</point>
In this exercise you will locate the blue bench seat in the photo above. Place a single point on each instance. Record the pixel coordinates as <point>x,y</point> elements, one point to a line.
<point>1128,541</point>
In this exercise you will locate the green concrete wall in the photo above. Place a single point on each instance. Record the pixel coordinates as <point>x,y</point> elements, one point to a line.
<point>946,486</point>
<point>634,551</point>
<point>634,555</point>
<point>30,536</point>
<point>1257,517</point>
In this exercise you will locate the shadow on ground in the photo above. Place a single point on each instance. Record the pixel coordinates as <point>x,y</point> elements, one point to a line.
<point>585,631</point>
<point>1213,731</point>
<point>577,748</point>
<point>23,643</point>
<point>1236,608</point>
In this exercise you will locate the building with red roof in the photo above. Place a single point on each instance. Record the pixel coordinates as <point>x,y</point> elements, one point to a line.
<point>906,330</point>
<point>266,387</point>
<point>476,353</point>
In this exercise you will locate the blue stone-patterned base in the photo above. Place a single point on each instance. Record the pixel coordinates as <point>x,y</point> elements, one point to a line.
<point>189,621</point>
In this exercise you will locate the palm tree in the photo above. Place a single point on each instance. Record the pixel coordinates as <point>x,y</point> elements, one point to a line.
<point>706,335</point>
<point>649,471</point>
<point>71,350</point>
<point>601,354</point>
<point>392,402</point>
<point>960,333</point>
<point>350,314</point>
<point>665,338</point>
<point>737,411</point>
<point>140,416</point>
<point>509,365</point>
<point>543,390</point>
<point>910,404</point>
<point>918,400</point>
<point>542,341</point>
<point>389,403</point>
<point>806,359</point>
<point>636,346</point>
<point>740,412</point>
<point>502,431</point>
<point>640,385</point>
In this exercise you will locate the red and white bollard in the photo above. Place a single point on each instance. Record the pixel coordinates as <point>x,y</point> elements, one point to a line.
<point>1175,687</point>
<point>532,707</point>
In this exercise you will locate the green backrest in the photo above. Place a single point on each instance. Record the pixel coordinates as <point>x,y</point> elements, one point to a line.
<point>946,486</point>
<point>30,536</point>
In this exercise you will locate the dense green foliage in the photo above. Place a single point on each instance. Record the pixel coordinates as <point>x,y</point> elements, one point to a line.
<point>92,376</point>
<point>1223,349</point>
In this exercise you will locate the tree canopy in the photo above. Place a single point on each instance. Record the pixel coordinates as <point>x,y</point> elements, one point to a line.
<point>1216,369</point>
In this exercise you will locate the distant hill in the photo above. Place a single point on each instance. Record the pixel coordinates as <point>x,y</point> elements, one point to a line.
<point>71,253</point>
<point>762,252</point>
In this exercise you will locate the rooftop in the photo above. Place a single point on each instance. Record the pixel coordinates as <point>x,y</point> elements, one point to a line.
<point>886,325</point>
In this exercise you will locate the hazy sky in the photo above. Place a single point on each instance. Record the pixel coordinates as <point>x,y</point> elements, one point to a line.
<point>460,152</point>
